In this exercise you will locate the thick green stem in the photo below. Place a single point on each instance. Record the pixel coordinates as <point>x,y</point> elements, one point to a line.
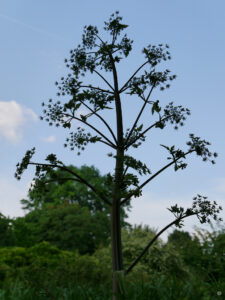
<point>117,257</point>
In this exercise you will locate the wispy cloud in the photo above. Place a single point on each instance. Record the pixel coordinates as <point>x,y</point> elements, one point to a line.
<point>33,28</point>
<point>49,139</point>
<point>11,193</point>
<point>12,119</point>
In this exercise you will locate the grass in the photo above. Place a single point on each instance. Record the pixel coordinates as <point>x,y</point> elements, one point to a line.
<point>160,288</point>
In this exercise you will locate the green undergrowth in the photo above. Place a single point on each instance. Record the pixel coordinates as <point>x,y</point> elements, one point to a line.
<point>182,269</point>
<point>159,288</point>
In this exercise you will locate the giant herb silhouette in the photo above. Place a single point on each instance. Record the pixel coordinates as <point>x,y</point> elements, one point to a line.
<point>97,56</point>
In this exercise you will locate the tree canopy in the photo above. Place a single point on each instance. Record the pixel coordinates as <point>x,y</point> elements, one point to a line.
<point>57,188</point>
<point>66,226</point>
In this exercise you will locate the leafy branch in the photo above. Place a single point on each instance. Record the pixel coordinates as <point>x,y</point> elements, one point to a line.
<point>173,114</point>
<point>195,145</point>
<point>201,207</point>
<point>43,168</point>
<point>106,124</point>
<point>57,113</point>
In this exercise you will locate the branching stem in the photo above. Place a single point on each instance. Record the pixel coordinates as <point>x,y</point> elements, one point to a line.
<point>139,115</point>
<point>110,143</point>
<point>124,86</point>
<point>103,78</point>
<point>106,124</point>
<point>152,241</point>
<point>82,180</point>
<point>96,88</point>
<point>145,131</point>
<point>153,176</point>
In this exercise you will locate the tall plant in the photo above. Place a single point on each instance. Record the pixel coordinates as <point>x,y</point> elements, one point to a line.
<point>97,56</point>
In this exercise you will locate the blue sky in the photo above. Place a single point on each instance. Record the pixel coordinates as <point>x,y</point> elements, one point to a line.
<point>36,36</point>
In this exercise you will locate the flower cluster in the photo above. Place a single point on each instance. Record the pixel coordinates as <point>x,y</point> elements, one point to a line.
<point>201,207</point>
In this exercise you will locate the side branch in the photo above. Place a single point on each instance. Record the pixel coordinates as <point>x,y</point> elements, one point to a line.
<point>96,88</point>
<point>151,242</point>
<point>154,175</point>
<point>124,86</point>
<point>110,143</point>
<point>144,132</point>
<point>103,78</point>
<point>106,124</point>
<point>82,180</point>
<point>139,115</point>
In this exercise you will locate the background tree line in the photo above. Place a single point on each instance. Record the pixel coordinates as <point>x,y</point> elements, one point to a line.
<point>66,234</point>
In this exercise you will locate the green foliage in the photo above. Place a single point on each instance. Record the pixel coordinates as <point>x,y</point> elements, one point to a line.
<point>68,227</point>
<point>54,188</point>
<point>161,259</point>
<point>45,264</point>
<point>212,260</point>
<point>203,255</point>
<point>26,229</point>
<point>6,233</point>
<point>187,267</point>
<point>189,248</point>
<point>65,212</point>
<point>159,288</point>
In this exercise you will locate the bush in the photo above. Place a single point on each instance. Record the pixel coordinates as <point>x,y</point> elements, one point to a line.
<point>43,266</point>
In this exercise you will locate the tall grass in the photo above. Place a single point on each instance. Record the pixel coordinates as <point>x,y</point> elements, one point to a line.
<point>160,288</point>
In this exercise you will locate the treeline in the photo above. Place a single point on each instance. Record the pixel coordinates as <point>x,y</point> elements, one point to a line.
<point>61,249</point>
<point>191,267</point>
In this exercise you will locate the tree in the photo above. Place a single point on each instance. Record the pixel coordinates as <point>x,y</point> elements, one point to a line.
<point>189,247</point>
<point>212,254</point>
<point>26,229</point>
<point>49,205</point>
<point>161,259</point>
<point>65,190</point>
<point>66,226</point>
<point>94,56</point>
<point>68,191</point>
<point>6,233</point>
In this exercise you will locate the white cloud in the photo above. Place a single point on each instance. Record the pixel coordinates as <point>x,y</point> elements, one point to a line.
<point>12,119</point>
<point>11,192</point>
<point>50,139</point>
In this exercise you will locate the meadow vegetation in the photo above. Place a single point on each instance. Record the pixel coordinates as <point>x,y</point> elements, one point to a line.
<point>185,267</point>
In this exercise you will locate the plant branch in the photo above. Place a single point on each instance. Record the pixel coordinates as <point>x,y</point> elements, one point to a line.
<point>152,241</point>
<point>124,86</point>
<point>82,180</point>
<point>143,133</point>
<point>153,176</point>
<point>139,115</point>
<point>95,88</point>
<point>99,38</point>
<point>99,57</point>
<point>125,170</point>
<point>106,124</point>
<point>103,78</point>
<point>110,143</point>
